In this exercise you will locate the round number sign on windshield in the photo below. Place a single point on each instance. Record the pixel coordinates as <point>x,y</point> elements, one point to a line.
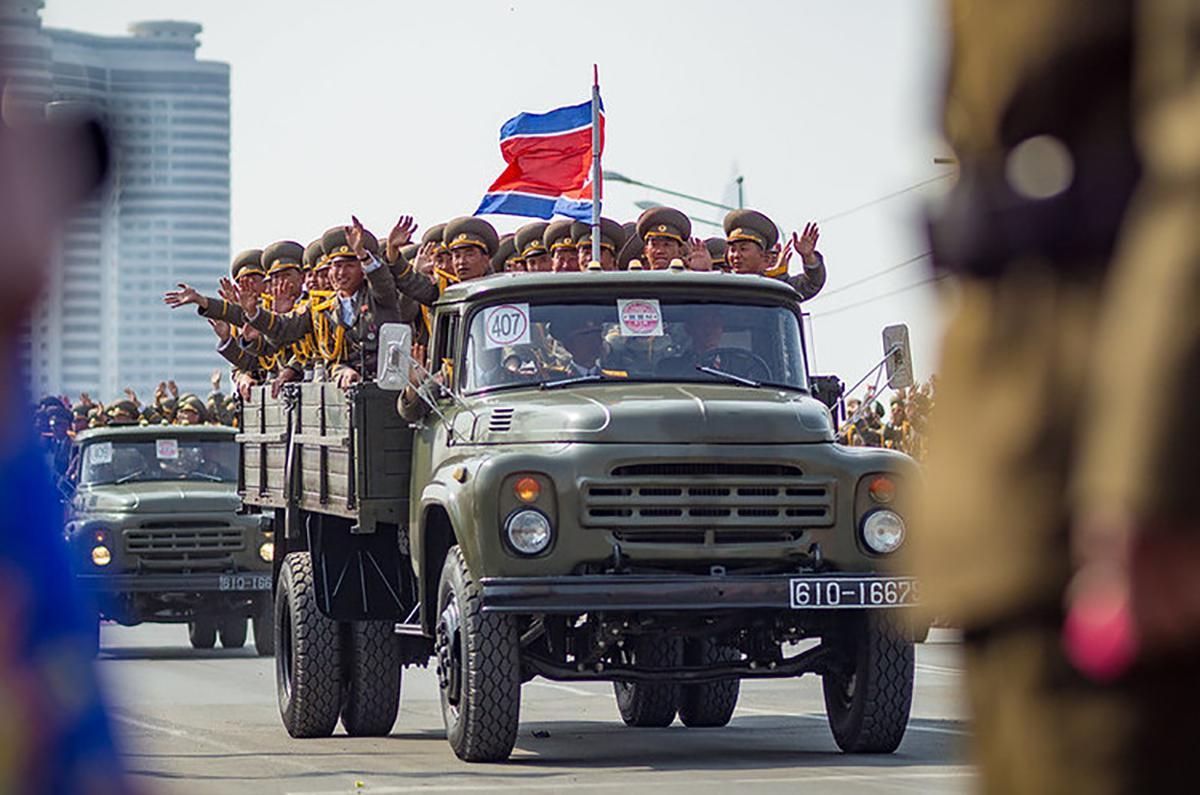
<point>505,325</point>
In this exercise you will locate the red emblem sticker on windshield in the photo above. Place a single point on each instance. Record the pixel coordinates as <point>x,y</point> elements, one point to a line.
<point>640,317</point>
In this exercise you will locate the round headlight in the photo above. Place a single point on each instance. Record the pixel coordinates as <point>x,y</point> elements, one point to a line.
<point>101,556</point>
<point>266,551</point>
<point>528,531</point>
<point>883,531</point>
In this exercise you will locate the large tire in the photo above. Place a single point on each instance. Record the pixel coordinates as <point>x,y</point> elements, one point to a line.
<point>233,632</point>
<point>479,669</point>
<point>264,625</point>
<point>372,665</point>
<point>202,633</point>
<point>308,674</point>
<point>711,703</point>
<point>650,704</point>
<point>868,706</point>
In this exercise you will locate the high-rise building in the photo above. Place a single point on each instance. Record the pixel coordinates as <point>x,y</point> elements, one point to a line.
<point>162,219</point>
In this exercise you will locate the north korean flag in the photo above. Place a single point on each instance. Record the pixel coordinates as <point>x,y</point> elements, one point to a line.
<point>549,158</point>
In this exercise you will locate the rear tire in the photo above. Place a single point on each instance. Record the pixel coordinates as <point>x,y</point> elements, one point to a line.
<point>712,703</point>
<point>373,673</point>
<point>868,706</point>
<point>479,668</point>
<point>650,704</point>
<point>308,674</point>
<point>233,632</point>
<point>202,633</point>
<point>264,625</point>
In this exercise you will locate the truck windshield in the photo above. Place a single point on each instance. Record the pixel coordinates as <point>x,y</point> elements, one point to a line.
<point>142,460</point>
<point>638,339</point>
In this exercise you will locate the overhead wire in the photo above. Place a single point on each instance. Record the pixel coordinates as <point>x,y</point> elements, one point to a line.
<point>880,297</point>
<point>885,197</point>
<point>876,274</point>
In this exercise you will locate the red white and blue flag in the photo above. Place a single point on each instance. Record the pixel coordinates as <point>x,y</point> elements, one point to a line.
<point>549,158</point>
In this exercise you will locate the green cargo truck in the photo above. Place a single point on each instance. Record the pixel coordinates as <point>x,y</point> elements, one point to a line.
<point>610,476</point>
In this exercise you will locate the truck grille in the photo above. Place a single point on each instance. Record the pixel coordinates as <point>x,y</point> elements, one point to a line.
<point>702,496</point>
<point>184,547</point>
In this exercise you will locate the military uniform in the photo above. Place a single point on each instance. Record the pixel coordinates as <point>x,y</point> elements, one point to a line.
<point>757,228</point>
<point>663,223</point>
<point>716,253</point>
<point>507,259</point>
<point>1023,445</point>
<point>612,238</point>
<point>558,241</point>
<point>531,247</point>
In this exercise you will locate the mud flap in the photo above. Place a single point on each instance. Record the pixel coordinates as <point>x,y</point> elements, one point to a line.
<point>359,576</point>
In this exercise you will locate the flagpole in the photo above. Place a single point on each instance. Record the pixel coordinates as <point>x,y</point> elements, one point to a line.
<point>597,187</point>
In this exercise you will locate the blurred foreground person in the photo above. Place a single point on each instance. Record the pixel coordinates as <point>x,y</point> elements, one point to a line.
<point>1058,531</point>
<point>54,735</point>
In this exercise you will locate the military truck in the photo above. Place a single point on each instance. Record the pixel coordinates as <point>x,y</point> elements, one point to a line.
<point>608,476</point>
<point>156,533</point>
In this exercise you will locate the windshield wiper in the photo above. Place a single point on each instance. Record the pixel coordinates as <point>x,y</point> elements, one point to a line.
<point>129,477</point>
<point>737,379</point>
<point>206,476</point>
<point>576,379</point>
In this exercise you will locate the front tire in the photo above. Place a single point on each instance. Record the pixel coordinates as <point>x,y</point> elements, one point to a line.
<point>868,704</point>
<point>479,668</point>
<point>373,672</point>
<point>308,674</point>
<point>650,704</point>
<point>233,632</point>
<point>712,703</point>
<point>202,633</point>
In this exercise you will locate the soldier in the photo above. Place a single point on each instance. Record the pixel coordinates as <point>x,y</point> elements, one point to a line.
<point>282,262</point>
<point>716,253</point>
<point>612,238</point>
<point>531,247</point>
<point>472,242</point>
<point>558,241</point>
<point>631,251</point>
<point>122,412</point>
<point>667,235</point>
<point>434,257</point>
<point>506,259</point>
<point>247,271</point>
<point>191,411</point>
<point>750,236</point>
<point>316,268</point>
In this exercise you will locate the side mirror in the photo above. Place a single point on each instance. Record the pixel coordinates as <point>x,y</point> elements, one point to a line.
<point>898,357</point>
<point>395,356</point>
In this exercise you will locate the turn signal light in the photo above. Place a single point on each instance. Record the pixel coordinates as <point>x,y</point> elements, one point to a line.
<point>527,489</point>
<point>882,489</point>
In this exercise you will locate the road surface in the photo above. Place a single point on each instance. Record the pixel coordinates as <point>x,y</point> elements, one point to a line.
<point>207,722</point>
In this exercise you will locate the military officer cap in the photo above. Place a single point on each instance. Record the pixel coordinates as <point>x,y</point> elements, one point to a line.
<point>282,255</point>
<point>630,251</point>
<point>612,235</point>
<point>123,412</point>
<point>246,263</point>
<point>529,242</point>
<point>751,225</point>
<point>192,402</point>
<point>664,222</point>
<point>334,244</point>
<point>434,234</point>
<point>314,256</point>
<point>471,231</point>
<point>506,252</point>
<point>716,251</point>
<point>558,235</point>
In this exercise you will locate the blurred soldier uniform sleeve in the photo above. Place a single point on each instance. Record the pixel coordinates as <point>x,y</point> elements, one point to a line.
<point>809,281</point>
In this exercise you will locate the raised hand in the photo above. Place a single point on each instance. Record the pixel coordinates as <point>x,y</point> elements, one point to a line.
<point>400,236</point>
<point>173,388</point>
<point>183,296</point>
<point>806,244</point>
<point>85,399</point>
<point>698,258</point>
<point>223,332</point>
<point>285,375</point>
<point>426,260</point>
<point>215,378</point>
<point>355,235</point>
<point>129,393</point>
<point>347,377</point>
<point>247,300</point>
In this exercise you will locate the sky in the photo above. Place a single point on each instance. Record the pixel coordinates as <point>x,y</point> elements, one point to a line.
<point>388,107</point>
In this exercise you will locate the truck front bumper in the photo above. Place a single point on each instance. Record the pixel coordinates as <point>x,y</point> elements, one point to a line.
<point>177,583</point>
<point>644,593</point>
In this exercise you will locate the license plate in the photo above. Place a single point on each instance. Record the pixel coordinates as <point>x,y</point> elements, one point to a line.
<point>840,593</point>
<point>245,582</point>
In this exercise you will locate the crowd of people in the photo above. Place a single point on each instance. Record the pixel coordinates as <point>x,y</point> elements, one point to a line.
<point>290,312</point>
<point>904,427</point>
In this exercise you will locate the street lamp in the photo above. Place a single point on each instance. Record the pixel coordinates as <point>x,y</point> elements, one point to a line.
<point>616,176</point>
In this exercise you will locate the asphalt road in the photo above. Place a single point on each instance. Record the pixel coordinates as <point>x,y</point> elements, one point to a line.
<point>207,722</point>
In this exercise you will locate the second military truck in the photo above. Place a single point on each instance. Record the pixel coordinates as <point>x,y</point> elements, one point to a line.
<point>608,476</point>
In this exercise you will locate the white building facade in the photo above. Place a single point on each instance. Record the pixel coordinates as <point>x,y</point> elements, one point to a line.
<point>162,219</point>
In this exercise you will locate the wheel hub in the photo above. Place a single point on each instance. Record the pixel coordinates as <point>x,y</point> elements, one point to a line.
<point>449,652</point>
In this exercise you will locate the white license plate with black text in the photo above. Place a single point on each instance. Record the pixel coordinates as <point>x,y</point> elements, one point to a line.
<point>245,582</point>
<point>840,593</point>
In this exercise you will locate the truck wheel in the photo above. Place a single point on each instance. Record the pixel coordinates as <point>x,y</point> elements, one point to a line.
<point>233,632</point>
<point>308,674</point>
<point>650,704</point>
<point>479,669</point>
<point>711,703</point>
<point>264,625</point>
<point>373,671</point>
<point>868,705</point>
<point>202,633</point>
